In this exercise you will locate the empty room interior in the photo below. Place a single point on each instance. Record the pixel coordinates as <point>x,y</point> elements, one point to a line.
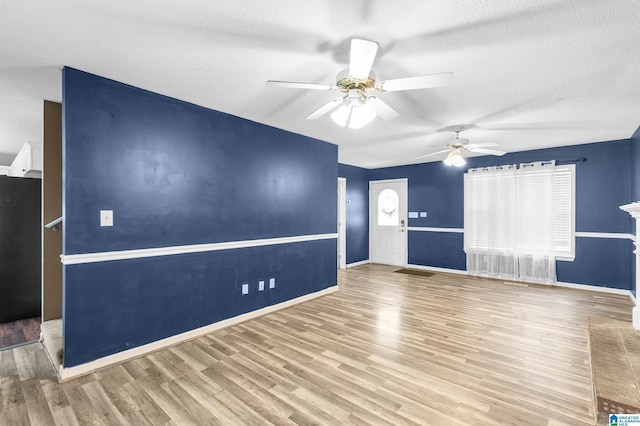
<point>335,213</point>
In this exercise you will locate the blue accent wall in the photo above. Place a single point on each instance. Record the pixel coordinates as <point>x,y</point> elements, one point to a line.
<point>603,184</point>
<point>178,174</point>
<point>357,212</point>
<point>175,173</point>
<point>601,262</point>
<point>439,249</point>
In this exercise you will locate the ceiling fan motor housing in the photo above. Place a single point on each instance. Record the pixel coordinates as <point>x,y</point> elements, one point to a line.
<point>346,83</point>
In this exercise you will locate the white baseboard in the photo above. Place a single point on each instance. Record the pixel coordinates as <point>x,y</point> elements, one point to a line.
<point>558,283</point>
<point>592,288</point>
<point>354,264</point>
<point>68,373</point>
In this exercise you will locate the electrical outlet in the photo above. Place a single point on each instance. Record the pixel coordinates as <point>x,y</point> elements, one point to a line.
<point>272,283</point>
<point>245,288</point>
<point>260,285</point>
<point>106,217</point>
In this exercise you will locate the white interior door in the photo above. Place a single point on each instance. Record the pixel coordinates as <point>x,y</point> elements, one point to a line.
<point>388,222</point>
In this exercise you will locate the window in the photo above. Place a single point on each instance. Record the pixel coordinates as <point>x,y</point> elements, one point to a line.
<point>565,212</point>
<point>534,188</point>
<point>388,208</point>
<point>513,215</point>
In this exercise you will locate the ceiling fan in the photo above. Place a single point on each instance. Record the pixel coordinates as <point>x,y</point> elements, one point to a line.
<point>456,146</point>
<point>356,108</point>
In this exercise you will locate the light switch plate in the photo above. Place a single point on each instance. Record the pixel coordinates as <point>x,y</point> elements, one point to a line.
<point>245,288</point>
<point>106,217</point>
<point>272,283</point>
<point>260,285</point>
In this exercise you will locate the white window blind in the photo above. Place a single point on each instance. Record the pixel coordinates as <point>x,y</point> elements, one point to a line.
<point>565,211</point>
<point>535,208</point>
<point>490,194</point>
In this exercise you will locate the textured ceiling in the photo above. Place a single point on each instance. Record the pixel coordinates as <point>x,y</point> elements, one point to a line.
<point>527,74</point>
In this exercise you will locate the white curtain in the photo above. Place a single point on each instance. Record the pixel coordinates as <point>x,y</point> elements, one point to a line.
<point>489,222</point>
<point>509,222</point>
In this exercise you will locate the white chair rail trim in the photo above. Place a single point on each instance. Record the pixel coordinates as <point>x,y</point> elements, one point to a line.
<point>74,259</point>
<point>428,229</point>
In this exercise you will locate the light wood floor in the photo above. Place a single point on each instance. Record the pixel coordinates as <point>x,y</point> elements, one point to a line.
<point>387,349</point>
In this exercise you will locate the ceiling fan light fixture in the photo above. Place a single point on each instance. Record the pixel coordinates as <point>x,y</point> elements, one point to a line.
<point>455,158</point>
<point>341,115</point>
<point>353,112</point>
<point>361,115</point>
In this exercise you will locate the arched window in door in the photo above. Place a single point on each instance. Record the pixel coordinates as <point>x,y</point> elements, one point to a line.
<point>388,208</point>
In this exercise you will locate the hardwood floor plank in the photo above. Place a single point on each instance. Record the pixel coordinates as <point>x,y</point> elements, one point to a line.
<point>32,389</point>
<point>203,390</point>
<point>217,342</point>
<point>193,355</point>
<point>146,405</point>
<point>16,415</point>
<point>266,406</point>
<point>119,397</point>
<point>190,405</point>
<point>370,413</point>
<point>134,369</point>
<point>275,372</point>
<point>86,415</point>
<point>10,393</point>
<point>73,392</point>
<point>65,416</point>
<point>136,418</point>
<point>114,377</point>
<point>166,402</point>
<point>55,396</point>
<point>39,412</point>
<point>103,406</point>
<point>8,366</point>
<point>306,412</point>
<point>32,362</point>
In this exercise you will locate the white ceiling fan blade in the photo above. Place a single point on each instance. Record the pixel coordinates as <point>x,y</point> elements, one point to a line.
<point>363,53</point>
<point>324,109</point>
<point>481,145</point>
<point>486,151</point>
<point>383,110</point>
<point>433,153</point>
<point>420,82</point>
<point>295,85</point>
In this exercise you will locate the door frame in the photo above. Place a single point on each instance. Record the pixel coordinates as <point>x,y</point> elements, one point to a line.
<point>52,277</point>
<point>406,219</point>
<point>342,223</point>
